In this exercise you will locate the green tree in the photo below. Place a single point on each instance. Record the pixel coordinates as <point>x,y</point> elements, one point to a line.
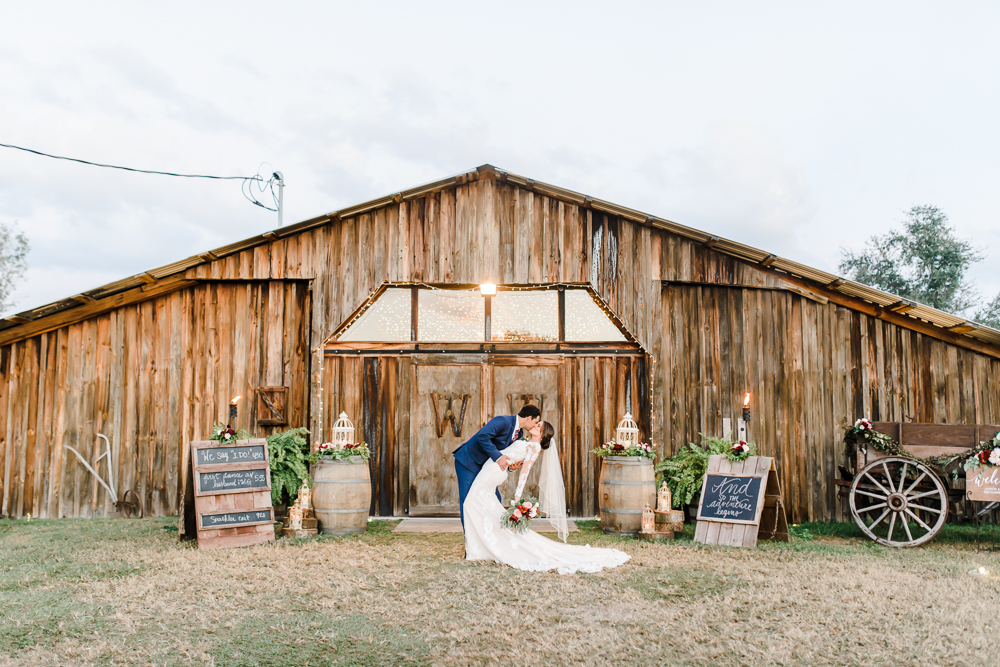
<point>990,313</point>
<point>925,262</point>
<point>13,251</point>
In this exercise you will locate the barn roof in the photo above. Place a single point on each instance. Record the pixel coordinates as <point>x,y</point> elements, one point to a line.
<point>31,322</point>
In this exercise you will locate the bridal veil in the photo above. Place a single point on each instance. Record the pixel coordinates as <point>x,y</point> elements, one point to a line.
<point>552,490</point>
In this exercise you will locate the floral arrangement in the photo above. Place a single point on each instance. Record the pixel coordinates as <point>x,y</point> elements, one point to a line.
<point>225,434</point>
<point>518,517</point>
<point>863,433</point>
<point>685,471</point>
<point>615,448</point>
<point>740,451</point>
<point>328,451</point>
<point>987,454</point>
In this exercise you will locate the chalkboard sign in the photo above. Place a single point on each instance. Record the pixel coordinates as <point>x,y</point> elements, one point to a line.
<point>740,503</point>
<point>730,498</point>
<point>222,455</point>
<point>232,493</point>
<point>230,519</point>
<point>231,481</point>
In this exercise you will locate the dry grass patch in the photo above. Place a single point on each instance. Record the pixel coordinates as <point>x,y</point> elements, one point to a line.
<point>112,592</point>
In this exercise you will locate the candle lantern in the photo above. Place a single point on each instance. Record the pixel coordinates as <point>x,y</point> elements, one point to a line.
<point>746,408</point>
<point>648,519</point>
<point>295,517</point>
<point>305,496</point>
<point>343,431</point>
<point>233,410</point>
<point>627,433</point>
<point>663,498</point>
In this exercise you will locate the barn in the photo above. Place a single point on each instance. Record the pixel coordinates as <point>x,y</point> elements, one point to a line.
<point>376,311</point>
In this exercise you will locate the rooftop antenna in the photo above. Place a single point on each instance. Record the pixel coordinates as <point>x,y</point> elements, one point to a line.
<point>279,177</point>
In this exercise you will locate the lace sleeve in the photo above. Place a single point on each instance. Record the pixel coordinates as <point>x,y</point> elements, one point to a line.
<point>529,459</point>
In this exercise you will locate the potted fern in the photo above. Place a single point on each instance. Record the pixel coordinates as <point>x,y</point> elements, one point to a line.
<point>289,454</point>
<point>685,471</point>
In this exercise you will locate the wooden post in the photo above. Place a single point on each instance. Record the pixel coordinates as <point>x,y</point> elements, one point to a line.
<point>489,307</point>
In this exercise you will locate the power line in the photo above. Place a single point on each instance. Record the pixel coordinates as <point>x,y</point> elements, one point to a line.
<point>247,187</point>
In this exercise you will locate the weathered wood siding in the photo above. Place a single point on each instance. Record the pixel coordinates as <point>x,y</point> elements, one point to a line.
<point>812,369</point>
<point>150,377</point>
<point>154,375</point>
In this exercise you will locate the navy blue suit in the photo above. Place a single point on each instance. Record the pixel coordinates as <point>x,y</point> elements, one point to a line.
<point>487,443</point>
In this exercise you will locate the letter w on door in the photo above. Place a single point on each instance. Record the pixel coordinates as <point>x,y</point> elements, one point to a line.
<point>441,423</point>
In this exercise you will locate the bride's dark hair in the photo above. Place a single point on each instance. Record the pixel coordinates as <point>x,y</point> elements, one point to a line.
<point>547,433</point>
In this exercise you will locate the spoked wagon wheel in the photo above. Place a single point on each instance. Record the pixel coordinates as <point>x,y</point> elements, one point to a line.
<point>130,505</point>
<point>898,498</point>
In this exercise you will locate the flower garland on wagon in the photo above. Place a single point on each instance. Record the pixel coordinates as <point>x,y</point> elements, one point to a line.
<point>518,517</point>
<point>615,448</point>
<point>862,433</point>
<point>329,451</point>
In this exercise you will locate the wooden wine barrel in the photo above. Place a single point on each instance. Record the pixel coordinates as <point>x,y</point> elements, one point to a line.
<point>627,484</point>
<point>342,494</point>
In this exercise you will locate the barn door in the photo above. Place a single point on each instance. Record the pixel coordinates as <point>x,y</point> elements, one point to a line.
<point>447,411</point>
<point>517,382</point>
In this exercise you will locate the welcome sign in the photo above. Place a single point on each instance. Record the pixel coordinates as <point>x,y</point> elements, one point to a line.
<point>983,483</point>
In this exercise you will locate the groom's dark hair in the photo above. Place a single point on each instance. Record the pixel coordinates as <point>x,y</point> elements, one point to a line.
<point>530,411</point>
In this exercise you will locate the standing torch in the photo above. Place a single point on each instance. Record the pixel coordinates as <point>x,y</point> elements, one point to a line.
<point>746,417</point>
<point>233,411</point>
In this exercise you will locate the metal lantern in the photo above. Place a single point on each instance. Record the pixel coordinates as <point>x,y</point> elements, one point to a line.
<point>648,520</point>
<point>305,496</point>
<point>295,517</point>
<point>627,433</point>
<point>343,432</point>
<point>663,498</point>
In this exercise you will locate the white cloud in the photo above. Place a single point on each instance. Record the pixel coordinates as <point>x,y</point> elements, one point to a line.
<point>734,181</point>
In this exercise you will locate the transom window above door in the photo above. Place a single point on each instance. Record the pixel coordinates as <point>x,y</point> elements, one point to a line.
<point>422,313</point>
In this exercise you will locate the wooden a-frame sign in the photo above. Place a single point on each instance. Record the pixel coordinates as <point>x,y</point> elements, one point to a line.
<point>744,503</point>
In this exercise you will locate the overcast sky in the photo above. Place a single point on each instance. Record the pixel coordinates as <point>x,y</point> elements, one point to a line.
<point>798,128</point>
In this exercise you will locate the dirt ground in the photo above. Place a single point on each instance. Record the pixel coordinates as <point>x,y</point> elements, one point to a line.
<point>125,592</point>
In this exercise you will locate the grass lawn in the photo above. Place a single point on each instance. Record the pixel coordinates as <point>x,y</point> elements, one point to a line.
<point>124,592</point>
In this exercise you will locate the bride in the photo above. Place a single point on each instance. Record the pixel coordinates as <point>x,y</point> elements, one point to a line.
<point>485,539</point>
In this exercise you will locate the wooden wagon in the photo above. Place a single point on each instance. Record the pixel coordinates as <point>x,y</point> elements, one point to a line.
<point>901,502</point>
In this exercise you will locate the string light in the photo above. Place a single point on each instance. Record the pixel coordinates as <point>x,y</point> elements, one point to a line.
<point>375,294</point>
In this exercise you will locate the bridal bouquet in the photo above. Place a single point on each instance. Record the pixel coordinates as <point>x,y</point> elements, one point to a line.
<point>518,517</point>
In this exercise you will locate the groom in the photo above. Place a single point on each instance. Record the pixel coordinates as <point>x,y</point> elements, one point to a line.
<point>487,443</point>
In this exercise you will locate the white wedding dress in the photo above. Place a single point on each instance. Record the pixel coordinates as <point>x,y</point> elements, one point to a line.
<point>486,539</point>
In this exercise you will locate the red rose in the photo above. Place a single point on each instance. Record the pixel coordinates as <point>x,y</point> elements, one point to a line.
<point>984,456</point>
